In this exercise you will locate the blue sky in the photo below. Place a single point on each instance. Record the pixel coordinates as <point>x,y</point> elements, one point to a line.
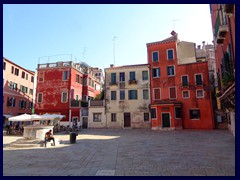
<point>33,31</point>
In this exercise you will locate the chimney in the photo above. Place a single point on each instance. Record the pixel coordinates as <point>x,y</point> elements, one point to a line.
<point>203,45</point>
<point>199,46</point>
<point>111,65</point>
<point>173,33</point>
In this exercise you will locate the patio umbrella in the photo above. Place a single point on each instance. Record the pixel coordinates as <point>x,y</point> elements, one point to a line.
<point>52,116</point>
<point>25,117</point>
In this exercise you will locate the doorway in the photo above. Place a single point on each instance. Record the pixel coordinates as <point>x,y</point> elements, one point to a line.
<point>165,120</point>
<point>127,120</point>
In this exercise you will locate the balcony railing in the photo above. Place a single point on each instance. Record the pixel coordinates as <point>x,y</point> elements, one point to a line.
<point>133,81</point>
<point>113,83</point>
<point>96,103</point>
<point>75,103</point>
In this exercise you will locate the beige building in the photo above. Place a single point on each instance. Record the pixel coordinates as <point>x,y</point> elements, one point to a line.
<point>127,96</point>
<point>96,114</point>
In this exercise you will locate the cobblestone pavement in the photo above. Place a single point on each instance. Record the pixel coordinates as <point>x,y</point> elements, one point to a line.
<point>131,152</point>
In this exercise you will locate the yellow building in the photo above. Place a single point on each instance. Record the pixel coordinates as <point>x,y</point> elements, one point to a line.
<point>127,96</point>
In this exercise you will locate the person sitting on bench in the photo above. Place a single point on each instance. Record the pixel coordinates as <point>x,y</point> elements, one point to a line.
<point>49,137</point>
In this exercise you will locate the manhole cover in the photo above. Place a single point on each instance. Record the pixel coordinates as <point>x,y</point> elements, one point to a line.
<point>105,173</point>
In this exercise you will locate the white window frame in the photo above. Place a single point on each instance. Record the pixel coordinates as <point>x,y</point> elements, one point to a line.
<point>175,91</point>
<point>187,79</point>
<point>158,56</point>
<point>188,94</point>
<point>197,94</point>
<point>173,54</point>
<point>143,94</point>
<point>159,72</point>
<point>174,70</point>
<point>195,76</point>
<point>154,93</point>
<point>67,76</point>
<point>38,97</point>
<point>66,98</point>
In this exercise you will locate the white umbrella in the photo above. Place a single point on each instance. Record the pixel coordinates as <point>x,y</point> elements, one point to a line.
<point>52,116</point>
<point>26,117</point>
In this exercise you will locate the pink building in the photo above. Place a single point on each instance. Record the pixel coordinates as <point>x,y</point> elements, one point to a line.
<point>18,90</point>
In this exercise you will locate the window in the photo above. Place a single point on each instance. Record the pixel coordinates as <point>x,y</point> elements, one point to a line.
<point>145,94</point>
<point>113,95</point>
<point>40,98</point>
<point>144,75</point>
<point>40,76</point>
<point>81,80</point>
<point>113,117</point>
<point>23,89</point>
<point>122,95</point>
<point>11,102</point>
<point>64,97</point>
<point>23,74</point>
<point>32,79</point>
<point>185,94</point>
<point>122,77</point>
<point>16,71</point>
<point>31,91</point>
<point>146,117</point>
<point>77,78</point>
<point>132,94</point>
<point>77,97</point>
<point>15,86</point>
<point>170,54</point>
<point>11,85</point>
<point>97,117</point>
<point>132,76</point>
<point>157,94</point>
<point>155,56</point>
<point>65,75</point>
<point>30,105</point>
<point>170,71</point>
<point>12,70</point>
<point>194,113</point>
<point>184,80</point>
<point>4,65</point>
<point>178,112</point>
<point>199,93</point>
<point>92,83</point>
<point>156,72</point>
<point>198,79</point>
<point>89,81</point>
<point>172,93</point>
<point>22,104</point>
<point>26,76</point>
<point>113,78</point>
<point>153,113</point>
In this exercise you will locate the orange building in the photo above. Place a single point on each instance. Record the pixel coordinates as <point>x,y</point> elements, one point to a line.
<point>180,91</point>
<point>18,90</point>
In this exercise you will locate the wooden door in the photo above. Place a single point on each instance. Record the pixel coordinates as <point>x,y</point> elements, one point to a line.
<point>165,120</point>
<point>127,120</point>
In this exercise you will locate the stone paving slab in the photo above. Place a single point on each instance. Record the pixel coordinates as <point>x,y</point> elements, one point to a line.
<point>129,152</point>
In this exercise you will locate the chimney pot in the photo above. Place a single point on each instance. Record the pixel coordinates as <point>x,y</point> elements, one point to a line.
<point>199,46</point>
<point>111,65</point>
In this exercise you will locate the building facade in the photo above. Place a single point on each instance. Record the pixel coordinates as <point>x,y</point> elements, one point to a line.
<point>127,96</point>
<point>60,90</point>
<point>223,26</point>
<point>18,90</point>
<point>180,91</point>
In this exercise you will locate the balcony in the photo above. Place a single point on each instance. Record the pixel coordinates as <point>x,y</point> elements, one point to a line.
<point>75,103</point>
<point>98,103</point>
<point>113,83</point>
<point>133,81</point>
<point>221,30</point>
<point>185,84</point>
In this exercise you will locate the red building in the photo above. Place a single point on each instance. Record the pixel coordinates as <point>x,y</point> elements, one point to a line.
<point>60,90</point>
<point>180,91</point>
<point>223,25</point>
<point>18,90</point>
